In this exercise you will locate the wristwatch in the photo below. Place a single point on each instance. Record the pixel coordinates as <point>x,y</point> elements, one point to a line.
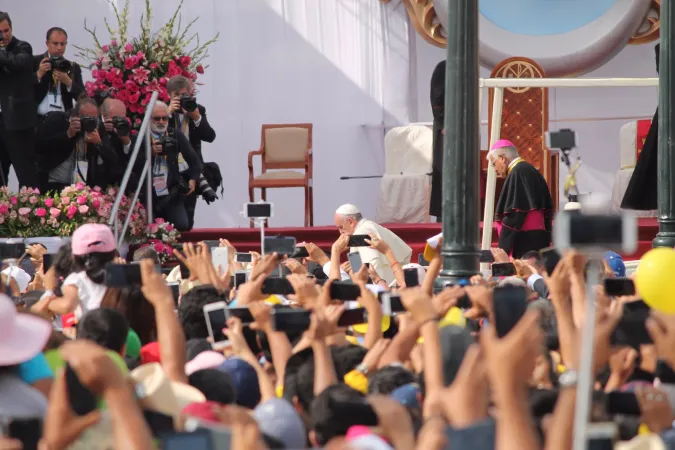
<point>362,368</point>
<point>568,379</point>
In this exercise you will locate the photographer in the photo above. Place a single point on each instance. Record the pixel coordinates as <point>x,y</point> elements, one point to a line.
<point>58,81</point>
<point>190,118</point>
<point>17,106</point>
<point>169,187</point>
<point>116,125</point>
<point>71,149</point>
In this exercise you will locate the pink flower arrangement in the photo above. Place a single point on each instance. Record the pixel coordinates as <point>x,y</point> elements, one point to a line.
<point>131,69</point>
<point>161,235</point>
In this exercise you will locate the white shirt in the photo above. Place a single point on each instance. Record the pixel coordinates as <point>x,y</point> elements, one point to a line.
<point>53,100</point>
<point>89,293</point>
<point>377,260</point>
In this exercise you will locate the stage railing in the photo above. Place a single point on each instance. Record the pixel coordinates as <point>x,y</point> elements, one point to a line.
<point>143,134</point>
<point>585,380</point>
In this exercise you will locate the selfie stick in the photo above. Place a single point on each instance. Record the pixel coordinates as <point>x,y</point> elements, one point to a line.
<point>261,223</point>
<point>585,369</point>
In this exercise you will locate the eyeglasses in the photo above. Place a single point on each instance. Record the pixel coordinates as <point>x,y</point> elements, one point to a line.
<point>160,118</point>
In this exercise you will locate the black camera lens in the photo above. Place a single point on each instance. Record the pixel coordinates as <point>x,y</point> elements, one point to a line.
<point>60,64</point>
<point>122,126</point>
<point>188,102</point>
<point>89,124</point>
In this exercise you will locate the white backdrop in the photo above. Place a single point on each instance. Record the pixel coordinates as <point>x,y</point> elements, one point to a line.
<point>341,64</point>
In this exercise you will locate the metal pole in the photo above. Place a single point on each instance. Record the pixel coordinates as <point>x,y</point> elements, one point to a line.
<point>585,369</point>
<point>261,223</point>
<point>461,146</point>
<point>666,142</point>
<point>148,180</point>
<point>491,183</point>
<point>132,159</point>
<point>120,238</point>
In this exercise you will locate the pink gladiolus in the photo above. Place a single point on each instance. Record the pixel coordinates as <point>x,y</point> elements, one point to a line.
<point>81,200</point>
<point>128,48</point>
<point>24,211</point>
<point>49,202</point>
<point>54,212</point>
<point>13,200</point>
<point>33,200</point>
<point>40,212</point>
<point>65,200</point>
<point>84,209</point>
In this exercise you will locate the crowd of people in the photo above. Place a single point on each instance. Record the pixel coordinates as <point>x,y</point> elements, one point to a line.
<point>54,135</point>
<point>84,364</point>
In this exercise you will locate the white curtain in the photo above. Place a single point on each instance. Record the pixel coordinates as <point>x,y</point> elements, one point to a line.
<point>343,65</point>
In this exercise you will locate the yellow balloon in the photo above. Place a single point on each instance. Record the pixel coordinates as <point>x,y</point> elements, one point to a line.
<point>652,279</point>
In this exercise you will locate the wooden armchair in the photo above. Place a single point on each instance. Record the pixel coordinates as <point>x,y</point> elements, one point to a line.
<point>284,146</point>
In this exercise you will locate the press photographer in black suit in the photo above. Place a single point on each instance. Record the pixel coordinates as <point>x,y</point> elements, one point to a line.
<point>17,107</point>
<point>115,124</point>
<point>58,81</point>
<point>71,149</point>
<point>190,118</point>
<point>170,189</point>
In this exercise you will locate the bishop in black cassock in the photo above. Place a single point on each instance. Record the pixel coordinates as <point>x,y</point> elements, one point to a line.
<point>524,212</point>
<point>641,193</point>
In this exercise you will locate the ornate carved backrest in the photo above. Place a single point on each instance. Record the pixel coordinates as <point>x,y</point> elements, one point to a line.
<point>524,112</point>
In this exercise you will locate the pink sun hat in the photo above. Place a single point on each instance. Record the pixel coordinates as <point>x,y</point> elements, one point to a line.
<point>22,336</point>
<point>502,143</point>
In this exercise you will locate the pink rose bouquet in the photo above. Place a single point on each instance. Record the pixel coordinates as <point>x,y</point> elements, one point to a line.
<point>131,69</point>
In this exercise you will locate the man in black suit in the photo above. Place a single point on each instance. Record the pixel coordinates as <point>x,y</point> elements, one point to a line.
<point>56,88</point>
<point>17,107</point>
<point>71,149</point>
<point>169,188</point>
<point>190,118</point>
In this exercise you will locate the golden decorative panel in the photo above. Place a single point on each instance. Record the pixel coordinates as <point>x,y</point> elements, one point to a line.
<point>425,20</point>
<point>525,117</point>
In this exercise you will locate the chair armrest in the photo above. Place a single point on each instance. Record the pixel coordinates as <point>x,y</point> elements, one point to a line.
<point>260,152</point>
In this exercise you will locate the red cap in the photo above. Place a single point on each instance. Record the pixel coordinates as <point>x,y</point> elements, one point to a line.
<point>205,411</point>
<point>68,320</point>
<point>150,353</point>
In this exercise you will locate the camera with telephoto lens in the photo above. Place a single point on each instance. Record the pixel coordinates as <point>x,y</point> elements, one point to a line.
<point>89,123</point>
<point>122,126</point>
<point>188,102</point>
<point>60,64</point>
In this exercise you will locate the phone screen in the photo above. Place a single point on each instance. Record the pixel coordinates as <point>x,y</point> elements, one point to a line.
<point>275,285</point>
<point>47,261</point>
<point>551,259</point>
<point>243,257</point>
<point>391,303</point>
<point>510,304</point>
<point>411,277</point>
<point>503,270</point>
<point>632,329</point>
<point>122,275</point>
<point>184,271</point>
<point>195,440</point>
<point>344,290</point>
<point>12,250</point>
<point>300,252</point>
<point>563,139</point>
<point>242,313</point>
<point>239,278</point>
<point>175,291</point>
<point>220,259</point>
<point>218,320</point>
<point>421,261</point>
<point>355,261</point>
<point>595,230</point>
<point>353,317</point>
<point>622,403</point>
<point>358,240</point>
<point>283,246</point>
<point>618,287</point>
<point>27,431</point>
<point>258,210</point>
<point>290,320</point>
<point>82,400</point>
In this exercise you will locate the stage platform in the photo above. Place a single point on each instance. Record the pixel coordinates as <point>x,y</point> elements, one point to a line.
<point>247,239</point>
